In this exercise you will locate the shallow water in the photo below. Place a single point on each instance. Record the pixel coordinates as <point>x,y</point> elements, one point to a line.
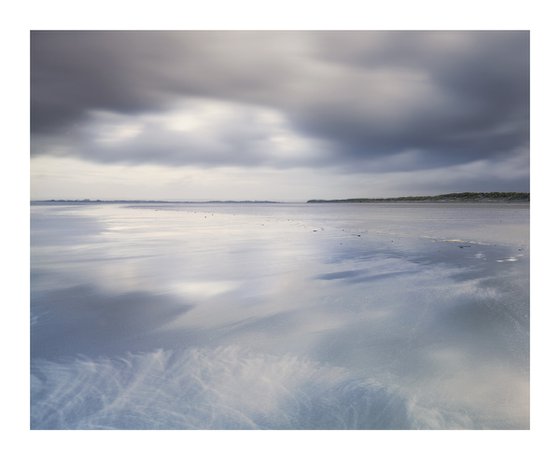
<point>280,316</point>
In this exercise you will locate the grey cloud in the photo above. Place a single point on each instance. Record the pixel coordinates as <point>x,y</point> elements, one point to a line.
<point>434,98</point>
<point>459,96</point>
<point>74,72</point>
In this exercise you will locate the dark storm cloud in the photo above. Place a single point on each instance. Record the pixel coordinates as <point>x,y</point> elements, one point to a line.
<point>370,100</point>
<point>470,98</point>
<point>73,72</point>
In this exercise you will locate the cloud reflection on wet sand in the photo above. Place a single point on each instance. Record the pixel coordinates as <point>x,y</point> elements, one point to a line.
<point>244,317</point>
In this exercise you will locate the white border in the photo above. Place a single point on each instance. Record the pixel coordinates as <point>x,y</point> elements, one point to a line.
<point>20,17</point>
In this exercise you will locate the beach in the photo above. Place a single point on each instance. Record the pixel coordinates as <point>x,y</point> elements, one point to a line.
<point>280,316</point>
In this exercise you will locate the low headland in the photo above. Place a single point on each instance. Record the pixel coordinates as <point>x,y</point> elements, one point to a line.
<point>467,197</point>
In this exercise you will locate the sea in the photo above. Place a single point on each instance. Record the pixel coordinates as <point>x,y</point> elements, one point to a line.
<point>279,316</point>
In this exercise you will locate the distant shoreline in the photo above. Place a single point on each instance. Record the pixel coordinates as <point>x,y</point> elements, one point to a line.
<point>86,201</point>
<point>465,197</point>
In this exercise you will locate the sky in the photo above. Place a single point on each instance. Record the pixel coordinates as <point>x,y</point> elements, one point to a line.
<point>271,115</point>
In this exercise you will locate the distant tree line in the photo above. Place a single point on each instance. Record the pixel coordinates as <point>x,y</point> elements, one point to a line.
<point>448,197</point>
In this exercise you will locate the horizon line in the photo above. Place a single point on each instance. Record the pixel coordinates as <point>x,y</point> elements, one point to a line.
<point>183,201</point>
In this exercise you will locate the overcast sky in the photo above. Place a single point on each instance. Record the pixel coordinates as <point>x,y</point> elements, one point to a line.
<point>277,115</point>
